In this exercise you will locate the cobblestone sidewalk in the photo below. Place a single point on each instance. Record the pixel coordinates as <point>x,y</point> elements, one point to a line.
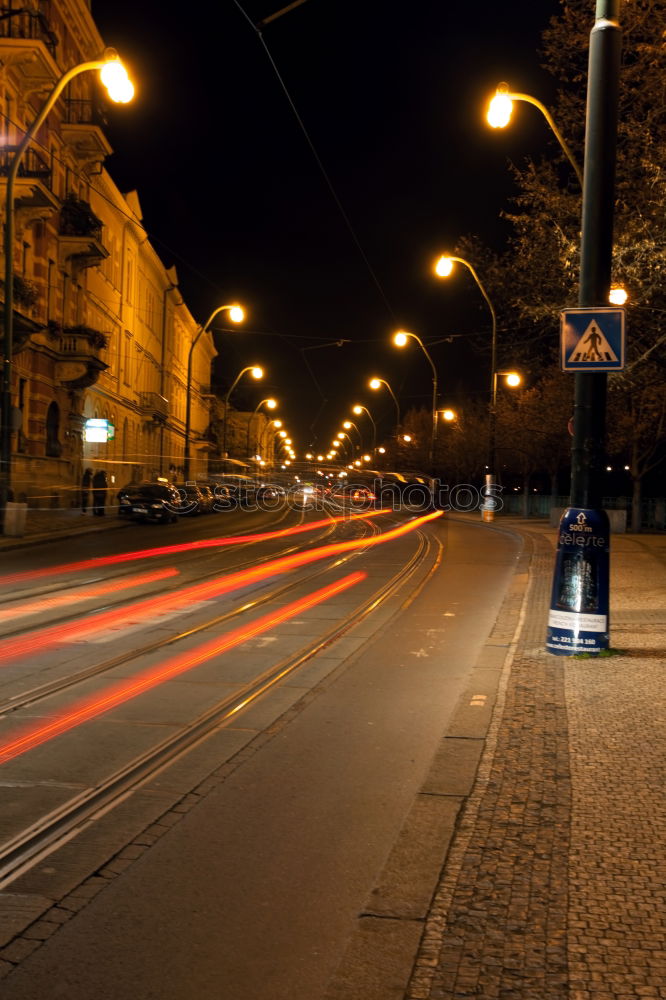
<point>554,884</point>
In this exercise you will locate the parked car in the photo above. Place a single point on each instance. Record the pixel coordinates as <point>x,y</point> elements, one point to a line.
<point>194,498</point>
<point>158,502</point>
<point>209,498</point>
<point>232,492</point>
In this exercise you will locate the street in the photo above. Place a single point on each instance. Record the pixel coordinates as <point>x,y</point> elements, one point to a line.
<point>224,746</point>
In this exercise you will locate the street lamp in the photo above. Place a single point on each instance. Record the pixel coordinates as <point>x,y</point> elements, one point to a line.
<point>342,435</point>
<point>444,268</point>
<point>348,424</point>
<point>499,116</point>
<point>120,89</point>
<point>236,315</point>
<point>400,340</point>
<point>376,383</point>
<point>257,373</point>
<point>271,404</point>
<point>358,409</point>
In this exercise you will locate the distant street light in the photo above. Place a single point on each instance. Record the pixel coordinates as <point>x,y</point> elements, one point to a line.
<point>271,404</point>
<point>400,339</point>
<point>257,373</point>
<point>120,89</point>
<point>348,424</point>
<point>618,296</point>
<point>376,383</point>
<point>237,315</point>
<point>499,116</point>
<point>358,409</point>
<point>444,268</point>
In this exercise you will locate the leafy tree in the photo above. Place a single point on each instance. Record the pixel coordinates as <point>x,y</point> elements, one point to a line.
<point>543,253</point>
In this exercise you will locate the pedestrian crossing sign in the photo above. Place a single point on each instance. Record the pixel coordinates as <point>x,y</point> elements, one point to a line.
<point>592,340</point>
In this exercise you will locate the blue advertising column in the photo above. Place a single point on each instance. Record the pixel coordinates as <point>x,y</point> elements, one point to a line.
<point>578,620</point>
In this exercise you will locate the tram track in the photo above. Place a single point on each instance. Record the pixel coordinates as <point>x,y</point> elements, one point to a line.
<point>47,833</point>
<point>55,589</point>
<point>61,685</point>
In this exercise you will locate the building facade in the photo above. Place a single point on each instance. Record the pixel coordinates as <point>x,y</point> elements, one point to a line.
<point>101,332</point>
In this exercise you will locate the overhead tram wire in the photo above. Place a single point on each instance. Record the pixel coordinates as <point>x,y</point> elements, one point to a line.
<point>257,30</point>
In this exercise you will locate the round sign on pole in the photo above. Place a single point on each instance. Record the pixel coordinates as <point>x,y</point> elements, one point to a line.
<point>578,620</point>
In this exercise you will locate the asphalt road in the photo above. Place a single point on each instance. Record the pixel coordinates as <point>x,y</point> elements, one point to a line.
<point>253,891</point>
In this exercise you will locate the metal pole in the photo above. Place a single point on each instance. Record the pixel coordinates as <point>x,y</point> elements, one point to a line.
<point>587,453</point>
<point>188,402</point>
<point>578,620</point>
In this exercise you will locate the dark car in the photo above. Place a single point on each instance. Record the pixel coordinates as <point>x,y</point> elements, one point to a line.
<point>158,502</point>
<point>195,499</point>
<point>232,492</point>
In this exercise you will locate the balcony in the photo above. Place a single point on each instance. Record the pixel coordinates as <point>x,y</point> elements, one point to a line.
<point>79,364</point>
<point>80,234</point>
<point>32,186</point>
<point>28,44</point>
<point>82,130</point>
<point>154,406</point>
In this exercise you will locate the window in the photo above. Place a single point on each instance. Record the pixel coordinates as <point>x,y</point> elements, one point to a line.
<point>129,280</point>
<point>53,446</point>
<point>127,360</point>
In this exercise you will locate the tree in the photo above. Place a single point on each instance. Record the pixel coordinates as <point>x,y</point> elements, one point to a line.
<point>543,253</point>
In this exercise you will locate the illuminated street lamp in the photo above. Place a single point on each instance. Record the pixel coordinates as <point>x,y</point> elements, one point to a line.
<point>443,269</point>
<point>358,409</point>
<point>499,116</point>
<point>271,404</point>
<point>618,296</point>
<point>236,315</point>
<point>376,383</point>
<point>120,89</point>
<point>449,415</point>
<point>257,373</point>
<point>400,339</point>
<point>348,424</point>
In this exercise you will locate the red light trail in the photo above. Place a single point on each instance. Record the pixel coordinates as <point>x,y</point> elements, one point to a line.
<point>101,590</point>
<point>95,705</point>
<point>206,543</point>
<point>39,639</point>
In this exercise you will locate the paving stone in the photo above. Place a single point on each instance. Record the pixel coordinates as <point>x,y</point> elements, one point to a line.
<point>553,887</point>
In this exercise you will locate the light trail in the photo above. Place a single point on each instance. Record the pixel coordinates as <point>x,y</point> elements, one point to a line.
<point>60,600</point>
<point>205,543</point>
<point>95,705</point>
<point>38,640</point>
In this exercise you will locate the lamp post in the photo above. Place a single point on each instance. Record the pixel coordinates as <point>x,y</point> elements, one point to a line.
<point>114,77</point>
<point>581,577</point>
<point>444,268</point>
<point>257,373</point>
<point>348,424</point>
<point>270,405</point>
<point>400,340</point>
<point>236,315</point>
<point>342,435</point>
<point>376,383</point>
<point>499,115</point>
<point>513,380</point>
<point>358,409</point>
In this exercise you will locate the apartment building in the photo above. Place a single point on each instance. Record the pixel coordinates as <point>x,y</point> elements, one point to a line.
<point>101,332</point>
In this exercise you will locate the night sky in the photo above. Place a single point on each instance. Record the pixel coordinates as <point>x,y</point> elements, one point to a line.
<point>392,98</point>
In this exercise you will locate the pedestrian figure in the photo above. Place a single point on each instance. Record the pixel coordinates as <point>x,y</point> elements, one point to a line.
<point>100,485</point>
<point>86,483</point>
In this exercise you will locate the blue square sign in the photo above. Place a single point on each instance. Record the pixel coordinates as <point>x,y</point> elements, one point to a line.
<point>592,340</point>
